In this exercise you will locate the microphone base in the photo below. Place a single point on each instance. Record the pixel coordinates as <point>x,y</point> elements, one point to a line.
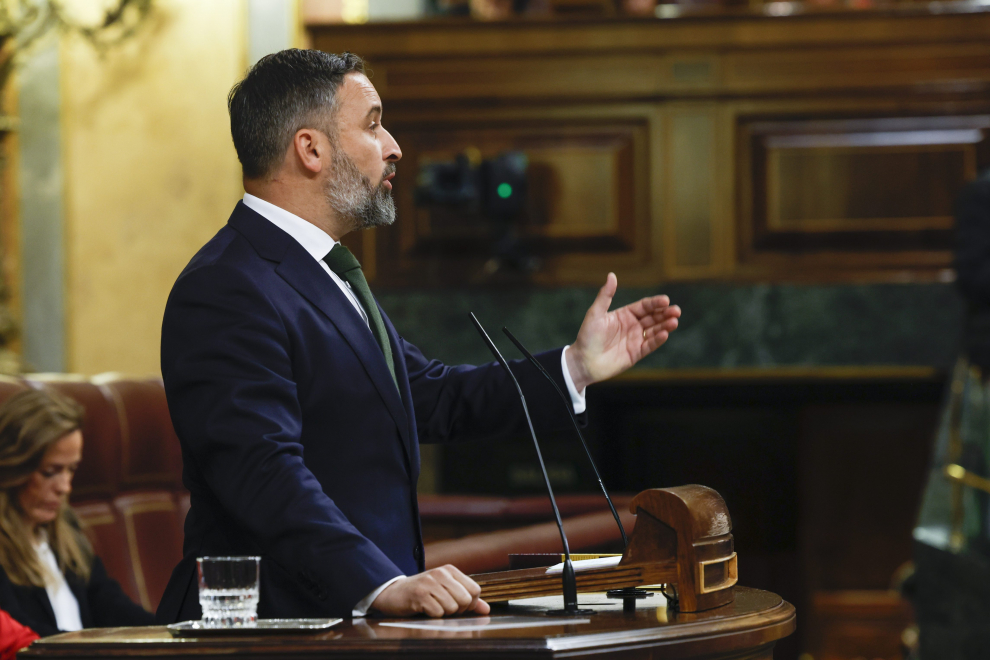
<point>628,596</point>
<point>570,612</point>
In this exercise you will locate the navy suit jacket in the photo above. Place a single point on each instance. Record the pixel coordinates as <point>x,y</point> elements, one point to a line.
<point>296,444</point>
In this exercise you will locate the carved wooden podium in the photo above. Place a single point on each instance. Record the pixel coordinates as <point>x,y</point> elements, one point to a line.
<point>682,538</point>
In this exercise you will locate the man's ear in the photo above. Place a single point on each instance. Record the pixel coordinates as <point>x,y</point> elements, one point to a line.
<point>311,147</point>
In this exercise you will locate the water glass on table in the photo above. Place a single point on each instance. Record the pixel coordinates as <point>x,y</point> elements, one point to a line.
<point>228,590</point>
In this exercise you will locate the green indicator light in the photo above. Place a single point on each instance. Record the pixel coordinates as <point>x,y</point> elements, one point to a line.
<point>504,190</point>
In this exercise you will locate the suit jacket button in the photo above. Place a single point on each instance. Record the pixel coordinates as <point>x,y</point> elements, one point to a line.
<point>418,552</point>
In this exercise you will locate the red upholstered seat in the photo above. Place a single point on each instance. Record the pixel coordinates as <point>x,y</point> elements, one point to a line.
<point>105,529</point>
<point>153,524</point>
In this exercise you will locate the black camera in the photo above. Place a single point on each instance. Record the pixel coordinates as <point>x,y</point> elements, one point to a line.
<point>495,188</point>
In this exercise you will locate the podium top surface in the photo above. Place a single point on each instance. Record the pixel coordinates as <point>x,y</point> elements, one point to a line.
<point>754,619</point>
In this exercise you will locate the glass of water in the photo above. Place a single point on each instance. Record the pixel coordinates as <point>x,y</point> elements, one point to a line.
<point>228,590</point>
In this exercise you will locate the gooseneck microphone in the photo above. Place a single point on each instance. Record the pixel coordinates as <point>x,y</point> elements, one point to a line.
<point>567,575</point>
<point>629,595</point>
<point>570,409</point>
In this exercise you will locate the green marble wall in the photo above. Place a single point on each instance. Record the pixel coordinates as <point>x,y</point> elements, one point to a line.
<point>723,325</point>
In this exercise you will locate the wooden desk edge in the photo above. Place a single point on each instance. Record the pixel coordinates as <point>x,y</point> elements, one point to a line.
<point>781,621</point>
<point>745,630</point>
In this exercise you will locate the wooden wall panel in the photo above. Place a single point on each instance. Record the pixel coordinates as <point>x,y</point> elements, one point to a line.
<point>582,175</point>
<point>689,188</point>
<point>856,67</point>
<point>709,32</point>
<point>826,188</point>
<point>588,211</point>
<point>517,77</point>
<point>744,146</point>
<point>866,188</point>
<point>691,73</point>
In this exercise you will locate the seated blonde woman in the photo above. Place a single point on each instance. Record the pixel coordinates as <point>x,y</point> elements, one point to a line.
<point>50,580</point>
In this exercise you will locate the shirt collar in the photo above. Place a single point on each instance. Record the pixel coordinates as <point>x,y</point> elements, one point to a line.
<point>313,239</point>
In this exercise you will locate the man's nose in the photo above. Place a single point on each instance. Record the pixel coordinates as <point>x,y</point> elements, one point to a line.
<point>390,148</point>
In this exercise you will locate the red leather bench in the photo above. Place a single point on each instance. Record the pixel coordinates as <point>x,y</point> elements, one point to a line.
<point>128,493</point>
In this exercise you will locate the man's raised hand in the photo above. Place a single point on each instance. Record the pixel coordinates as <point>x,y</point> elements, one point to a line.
<point>608,343</point>
<point>442,591</point>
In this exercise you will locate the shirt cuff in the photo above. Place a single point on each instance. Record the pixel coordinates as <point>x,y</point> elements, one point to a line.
<point>577,398</point>
<point>361,609</point>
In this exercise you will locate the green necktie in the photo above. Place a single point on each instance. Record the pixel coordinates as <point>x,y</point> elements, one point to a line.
<point>346,266</point>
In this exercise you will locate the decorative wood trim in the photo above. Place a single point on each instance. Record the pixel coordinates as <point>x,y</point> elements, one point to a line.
<point>95,521</point>
<point>911,25</point>
<point>731,573</point>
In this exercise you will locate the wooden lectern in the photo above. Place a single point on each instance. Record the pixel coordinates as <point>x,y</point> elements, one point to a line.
<point>682,538</point>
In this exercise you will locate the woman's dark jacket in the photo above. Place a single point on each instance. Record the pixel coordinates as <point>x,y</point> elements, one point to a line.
<point>102,603</point>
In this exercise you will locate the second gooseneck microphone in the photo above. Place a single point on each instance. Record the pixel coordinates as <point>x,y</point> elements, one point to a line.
<point>568,578</point>
<point>629,595</point>
<point>577,427</point>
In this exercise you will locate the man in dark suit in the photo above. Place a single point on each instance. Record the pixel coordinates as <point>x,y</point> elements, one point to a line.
<point>299,408</point>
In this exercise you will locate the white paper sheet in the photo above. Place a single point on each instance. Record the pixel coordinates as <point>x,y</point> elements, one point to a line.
<point>585,565</point>
<point>476,623</point>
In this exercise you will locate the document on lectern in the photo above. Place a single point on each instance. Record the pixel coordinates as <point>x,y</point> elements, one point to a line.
<point>586,565</point>
<point>481,623</point>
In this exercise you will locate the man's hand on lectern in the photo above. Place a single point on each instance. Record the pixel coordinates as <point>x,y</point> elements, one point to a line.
<point>437,592</point>
<point>608,343</point>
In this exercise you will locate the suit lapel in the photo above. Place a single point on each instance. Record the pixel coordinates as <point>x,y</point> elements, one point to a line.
<point>298,268</point>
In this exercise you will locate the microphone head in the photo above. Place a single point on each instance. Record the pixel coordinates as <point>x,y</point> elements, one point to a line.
<point>522,349</point>
<point>494,350</point>
<point>484,335</point>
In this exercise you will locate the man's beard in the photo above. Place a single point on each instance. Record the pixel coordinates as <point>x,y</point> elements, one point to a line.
<point>352,196</point>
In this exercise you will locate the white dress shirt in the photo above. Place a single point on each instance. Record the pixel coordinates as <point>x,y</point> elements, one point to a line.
<point>318,244</point>
<point>63,601</point>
